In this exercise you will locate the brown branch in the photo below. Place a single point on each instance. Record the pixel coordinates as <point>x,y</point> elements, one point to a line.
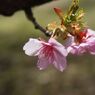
<point>9,7</point>
<point>29,14</point>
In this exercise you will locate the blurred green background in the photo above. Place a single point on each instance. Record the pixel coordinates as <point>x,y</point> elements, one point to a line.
<point>18,72</point>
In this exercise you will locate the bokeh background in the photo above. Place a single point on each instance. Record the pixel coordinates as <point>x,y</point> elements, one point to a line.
<point>18,72</point>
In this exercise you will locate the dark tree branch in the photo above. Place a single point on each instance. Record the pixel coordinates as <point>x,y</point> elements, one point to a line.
<point>9,7</point>
<point>29,14</point>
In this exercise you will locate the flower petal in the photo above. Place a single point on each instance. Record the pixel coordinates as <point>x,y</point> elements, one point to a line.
<point>90,32</point>
<point>43,61</point>
<point>32,47</point>
<point>91,48</point>
<point>59,47</point>
<point>59,61</point>
<point>73,50</point>
<point>69,41</point>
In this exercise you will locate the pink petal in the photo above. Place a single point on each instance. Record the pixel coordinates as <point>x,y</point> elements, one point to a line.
<point>90,32</point>
<point>86,46</point>
<point>44,60</point>
<point>69,41</point>
<point>81,50</point>
<point>52,53</point>
<point>77,49</point>
<point>45,56</point>
<point>32,47</point>
<point>91,49</point>
<point>42,63</point>
<point>59,47</point>
<point>59,61</point>
<point>73,50</point>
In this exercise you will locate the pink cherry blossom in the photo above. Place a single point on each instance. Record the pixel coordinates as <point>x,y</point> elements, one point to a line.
<point>51,52</point>
<point>86,44</point>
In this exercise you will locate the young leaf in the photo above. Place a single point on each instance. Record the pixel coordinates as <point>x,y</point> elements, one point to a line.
<point>59,13</point>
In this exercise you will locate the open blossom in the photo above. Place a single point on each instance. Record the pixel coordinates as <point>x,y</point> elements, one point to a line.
<point>83,44</point>
<point>51,52</point>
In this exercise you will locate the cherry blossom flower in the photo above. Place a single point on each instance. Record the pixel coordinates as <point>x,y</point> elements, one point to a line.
<point>51,52</point>
<point>85,43</point>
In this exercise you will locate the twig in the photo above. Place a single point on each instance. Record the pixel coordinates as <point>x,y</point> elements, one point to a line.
<point>29,14</point>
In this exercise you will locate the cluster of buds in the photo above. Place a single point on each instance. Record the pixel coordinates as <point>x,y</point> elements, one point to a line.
<point>71,23</point>
<point>78,39</point>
